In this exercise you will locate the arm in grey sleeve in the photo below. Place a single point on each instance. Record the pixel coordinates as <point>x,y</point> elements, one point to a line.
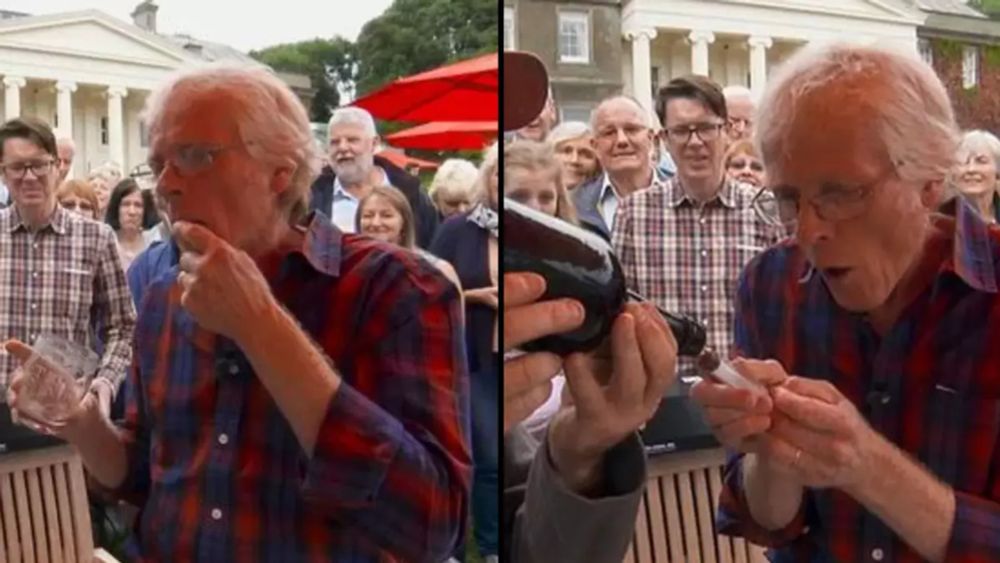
<point>556,524</point>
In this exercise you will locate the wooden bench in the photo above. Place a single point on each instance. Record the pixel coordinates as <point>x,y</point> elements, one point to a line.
<point>44,516</point>
<point>676,520</point>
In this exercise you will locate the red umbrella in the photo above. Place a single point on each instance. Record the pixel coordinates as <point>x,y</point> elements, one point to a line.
<point>446,136</point>
<point>463,91</point>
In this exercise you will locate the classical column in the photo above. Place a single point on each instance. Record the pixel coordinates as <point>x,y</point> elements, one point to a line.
<point>64,107</point>
<point>759,45</point>
<point>642,84</point>
<point>116,127</point>
<point>700,40</point>
<point>12,95</point>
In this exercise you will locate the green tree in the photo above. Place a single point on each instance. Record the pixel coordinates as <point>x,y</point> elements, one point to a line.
<point>412,36</point>
<point>329,63</point>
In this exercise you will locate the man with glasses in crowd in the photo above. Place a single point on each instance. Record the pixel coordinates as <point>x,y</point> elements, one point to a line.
<point>60,274</point>
<point>683,243</point>
<point>623,140</point>
<point>67,151</point>
<point>740,108</point>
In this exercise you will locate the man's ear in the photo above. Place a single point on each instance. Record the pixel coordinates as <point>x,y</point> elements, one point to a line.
<point>932,194</point>
<point>281,179</point>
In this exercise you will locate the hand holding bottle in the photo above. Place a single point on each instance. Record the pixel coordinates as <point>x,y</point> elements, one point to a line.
<point>643,363</point>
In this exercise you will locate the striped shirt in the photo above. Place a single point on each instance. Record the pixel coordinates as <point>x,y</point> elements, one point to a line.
<point>65,280</point>
<point>215,465</point>
<point>686,257</point>
<point>930,385</point>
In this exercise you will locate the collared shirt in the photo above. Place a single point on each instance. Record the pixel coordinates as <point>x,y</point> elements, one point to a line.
<point>686,257</point>
<point>64,280</point>
<point>930,385</point>
<point>344,209</point>
<point>215,465</point>
<point>609,199</point>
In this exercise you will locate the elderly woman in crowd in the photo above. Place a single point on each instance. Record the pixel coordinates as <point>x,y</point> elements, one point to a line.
<point>103,179</point>
<point>743,164</point>
<point>974,176</point>
<point>571,140</point>
<point>452,189</point>
<point>469,242</point>
<point>78,196</point>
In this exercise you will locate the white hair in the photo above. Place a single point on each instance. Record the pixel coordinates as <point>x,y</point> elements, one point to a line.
<point>271,121</point>
<point>644,115</point>
<point>110,172</point>
<point>353,116</point>
<point>738,91</point>
<point>897,94</point>
<point>568,130</point>
<point>978,141</point>
<point>455,176</point>
<point>66,141</point>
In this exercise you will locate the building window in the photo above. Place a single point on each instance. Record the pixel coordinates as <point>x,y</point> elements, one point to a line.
<point>654,80</point>
<point>574,112</point>
<point>104,131</point>
<point>143,135</point>
<point>970,67</point>
<point>926,52</point>
<point>574,37</point>
<point>508,29</point>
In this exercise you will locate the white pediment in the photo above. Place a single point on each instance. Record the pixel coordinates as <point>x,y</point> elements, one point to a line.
<point>868,9</point>
<point>90,34</point>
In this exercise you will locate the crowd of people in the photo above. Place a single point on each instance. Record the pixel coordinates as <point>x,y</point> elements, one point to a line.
<point>834,237</point>
<point>299,361</point>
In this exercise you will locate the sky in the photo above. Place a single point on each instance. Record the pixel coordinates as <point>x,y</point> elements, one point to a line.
<point>244,24</point>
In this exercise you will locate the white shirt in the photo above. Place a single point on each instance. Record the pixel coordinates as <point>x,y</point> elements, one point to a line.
<point>344,207</point>
<point>608,199</point>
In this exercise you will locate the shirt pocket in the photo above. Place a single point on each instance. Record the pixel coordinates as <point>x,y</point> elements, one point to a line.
<point>960,439</point>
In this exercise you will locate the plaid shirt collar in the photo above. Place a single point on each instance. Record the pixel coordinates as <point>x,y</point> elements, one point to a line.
<point>973,259</point>
<point>323,244</point>
<point>607,187</point>
<point>677,196</point>
<point>59,220</point>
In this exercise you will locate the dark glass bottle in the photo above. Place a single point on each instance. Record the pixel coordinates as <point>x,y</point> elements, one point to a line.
<point>581,265</point>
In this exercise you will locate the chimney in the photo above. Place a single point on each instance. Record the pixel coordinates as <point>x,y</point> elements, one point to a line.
<point>144,15</point>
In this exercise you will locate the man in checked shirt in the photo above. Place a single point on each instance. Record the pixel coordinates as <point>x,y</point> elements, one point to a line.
<point>297,393</point>
<point>59,274</point>
<point>683,242</point>
<point>875,329</point>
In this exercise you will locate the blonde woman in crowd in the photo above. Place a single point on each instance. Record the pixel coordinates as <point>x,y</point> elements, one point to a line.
<point>386,215</point>
<point>79,197</point>
<point>743,164</point>
<point>453,188</point>
<point>572,142</point>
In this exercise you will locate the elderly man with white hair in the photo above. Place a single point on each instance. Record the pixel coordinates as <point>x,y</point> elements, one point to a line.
<point>67,151</point>
<point>295,394</point>
<point>740,107</point>
<point>355,169</point>
<point>874,329</point>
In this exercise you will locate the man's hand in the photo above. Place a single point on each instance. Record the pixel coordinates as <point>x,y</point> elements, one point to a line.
<point>818,437</point>
<point>222,288</point>
<point>643,362</point>
<point>527,379</point>
<point>80,418</point>
<point>737,416</point>
<point>486,296</point>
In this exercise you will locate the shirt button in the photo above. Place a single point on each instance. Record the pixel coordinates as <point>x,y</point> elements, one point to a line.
<point>34,306</point>
<point>877,554</point>
<point>216,514</point>
<point>704,288</point>
<point>34,274</point>
<point>234,369</point>
<point>704,253</point>
<point>702,221</point>
<point>704,322</point>
<point>223,439</point>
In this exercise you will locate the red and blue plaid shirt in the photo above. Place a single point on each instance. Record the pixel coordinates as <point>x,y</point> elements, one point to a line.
<point>931,385</point>
<point>215,466</point>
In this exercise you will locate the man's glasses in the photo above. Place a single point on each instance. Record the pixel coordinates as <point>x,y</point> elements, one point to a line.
<point>781,206</point>
<point>187,159</point>
<point>17,170</point>
<point>681,134</point>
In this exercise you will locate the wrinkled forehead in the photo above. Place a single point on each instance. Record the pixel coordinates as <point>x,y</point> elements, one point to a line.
<point>619,112</point>
<point>740,107</point>
<point>190,115</point>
